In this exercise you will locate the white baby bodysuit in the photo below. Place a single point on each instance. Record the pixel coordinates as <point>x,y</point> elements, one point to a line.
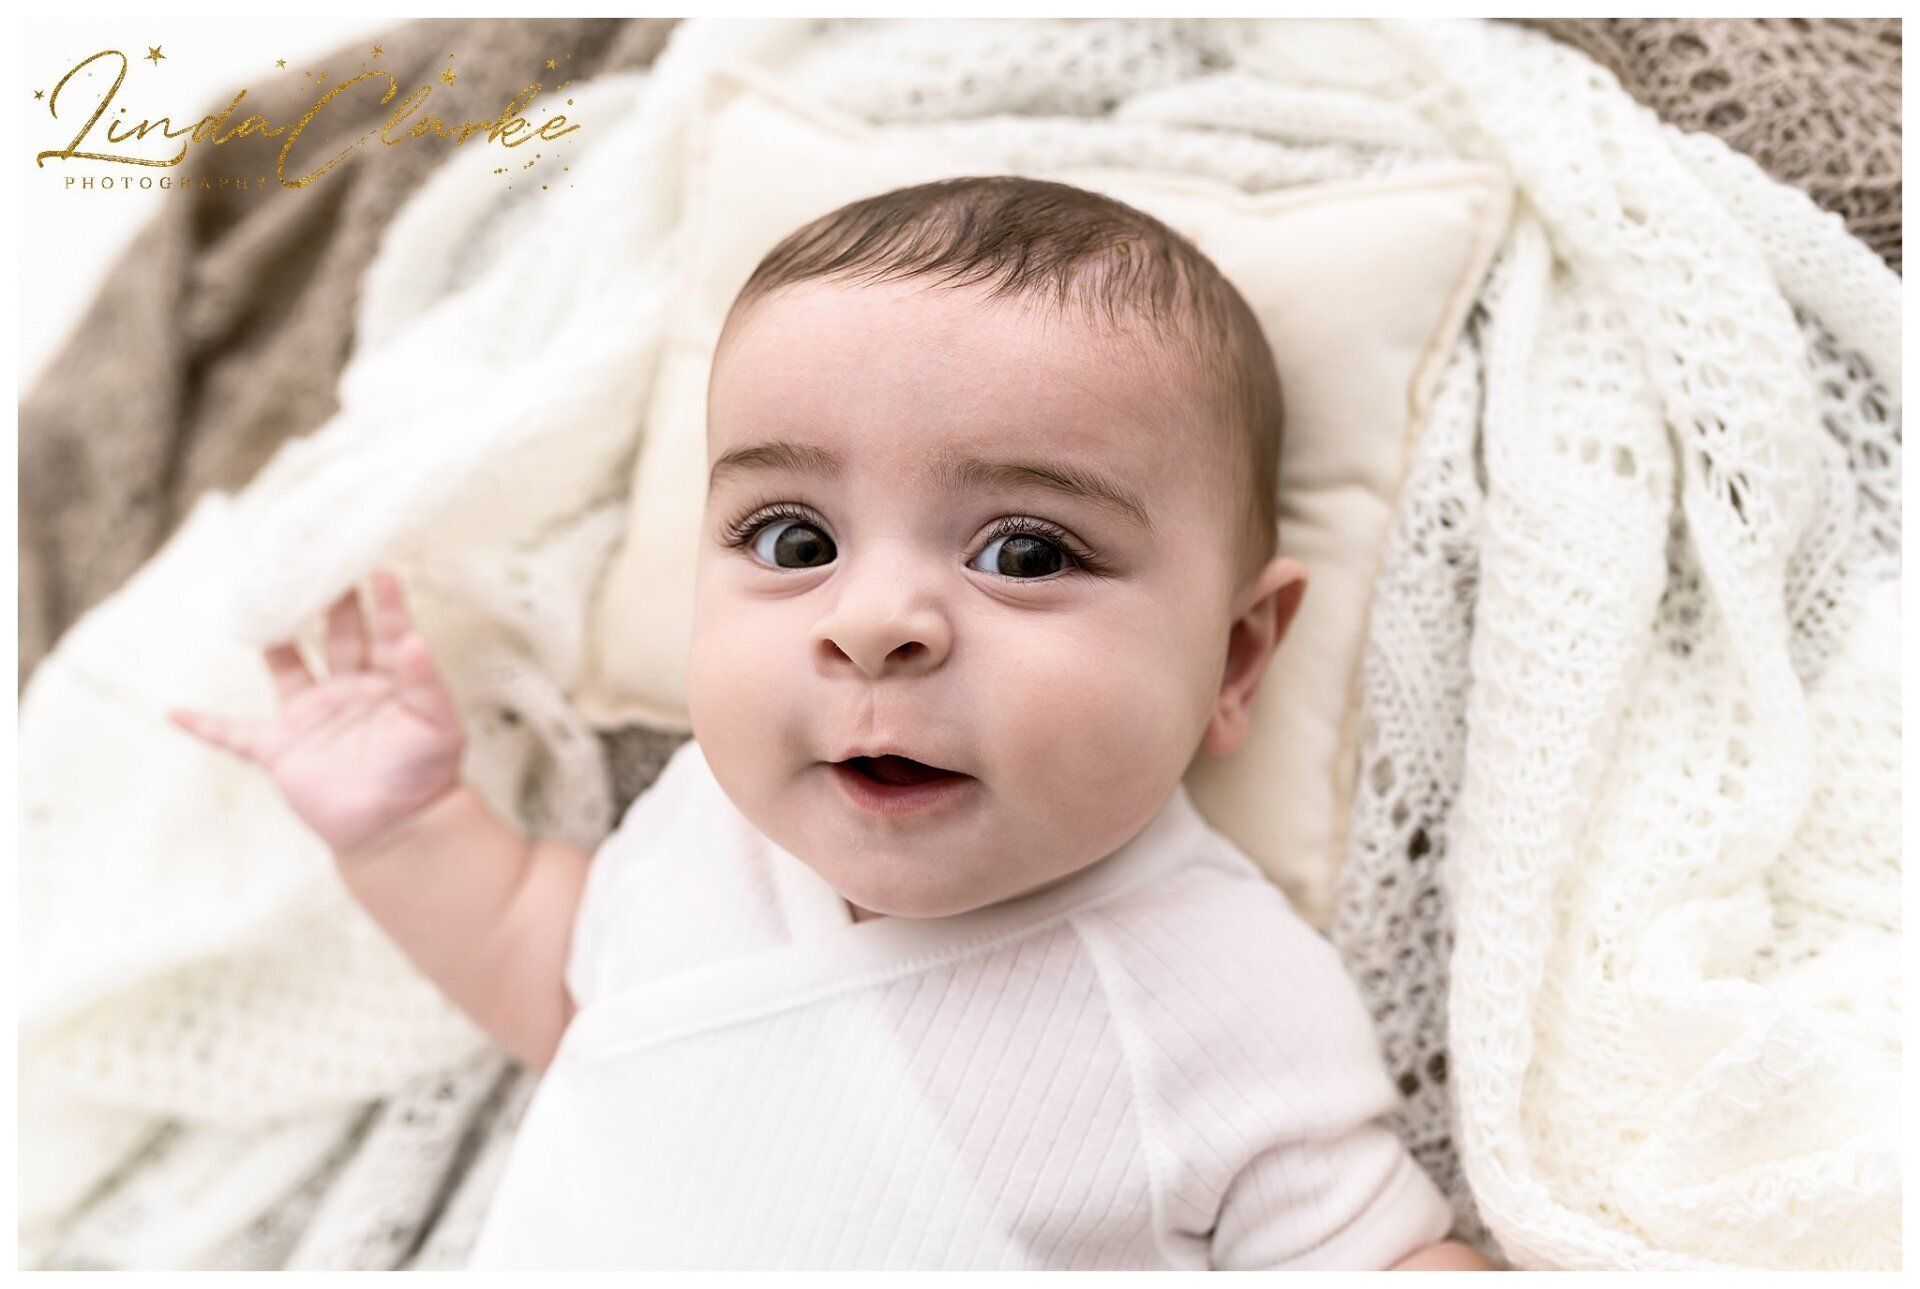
<point>1153,1064</point>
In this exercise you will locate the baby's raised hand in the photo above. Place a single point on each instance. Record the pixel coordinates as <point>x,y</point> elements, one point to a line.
<point>374,742</point>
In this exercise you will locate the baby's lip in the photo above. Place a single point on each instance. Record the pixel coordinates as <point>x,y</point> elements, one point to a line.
<point>892,749</point>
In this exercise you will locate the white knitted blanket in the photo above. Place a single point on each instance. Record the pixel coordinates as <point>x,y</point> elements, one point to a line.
<point>1623,885</point>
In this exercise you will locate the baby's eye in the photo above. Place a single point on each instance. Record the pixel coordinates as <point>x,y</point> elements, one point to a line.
<point>1021,549</point>
<point>1022,555</point>
<point>792,543</point>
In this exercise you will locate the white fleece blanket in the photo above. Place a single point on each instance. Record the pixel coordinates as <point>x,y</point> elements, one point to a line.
<point>1632,671</point>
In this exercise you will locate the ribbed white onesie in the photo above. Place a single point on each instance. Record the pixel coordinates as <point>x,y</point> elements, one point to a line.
<point>1153,1064</point>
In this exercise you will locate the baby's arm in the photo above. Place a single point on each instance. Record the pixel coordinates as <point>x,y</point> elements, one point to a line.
<point>486,915</point>
<point>1448,1255</point>
<point>369,758</point>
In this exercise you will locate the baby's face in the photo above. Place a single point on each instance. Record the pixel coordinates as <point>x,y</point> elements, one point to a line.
<point>901,587</point>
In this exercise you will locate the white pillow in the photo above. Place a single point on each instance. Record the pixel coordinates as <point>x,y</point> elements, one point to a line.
<point>1362,288</point>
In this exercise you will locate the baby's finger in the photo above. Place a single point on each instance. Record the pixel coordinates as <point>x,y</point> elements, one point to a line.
<point>290,675</point>
<point>346,634</point>
<point>390,618</point>
<point>421,687</point>
<point>235,736</point>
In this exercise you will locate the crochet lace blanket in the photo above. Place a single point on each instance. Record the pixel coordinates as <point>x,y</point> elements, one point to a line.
<point>1623,883</point>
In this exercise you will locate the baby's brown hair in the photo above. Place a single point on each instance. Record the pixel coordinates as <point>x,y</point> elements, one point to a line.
<point>1118,265</point>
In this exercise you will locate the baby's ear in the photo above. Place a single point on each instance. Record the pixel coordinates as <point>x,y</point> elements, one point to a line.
<point>1269,605</point>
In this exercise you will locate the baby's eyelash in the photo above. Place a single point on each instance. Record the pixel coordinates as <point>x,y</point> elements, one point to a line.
<point>1088,562</point>
<point>744,529</point>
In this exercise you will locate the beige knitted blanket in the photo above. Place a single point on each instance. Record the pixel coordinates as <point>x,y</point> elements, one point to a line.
<point>224,311</point>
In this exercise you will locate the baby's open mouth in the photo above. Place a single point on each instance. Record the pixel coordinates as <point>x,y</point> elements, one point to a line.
<point>901,771</point>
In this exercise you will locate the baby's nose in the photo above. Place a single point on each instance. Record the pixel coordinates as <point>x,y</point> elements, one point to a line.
<point>882,627</point>
<point>906,657</point>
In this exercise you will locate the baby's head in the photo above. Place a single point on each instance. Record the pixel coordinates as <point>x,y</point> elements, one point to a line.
<point>992,466</point>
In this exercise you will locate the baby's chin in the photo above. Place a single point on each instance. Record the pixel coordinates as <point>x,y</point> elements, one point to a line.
<point>921,904</point>
<point>944,864</point>
<point>908,878</point>
<point>896,894</point>
<point>927,882</point>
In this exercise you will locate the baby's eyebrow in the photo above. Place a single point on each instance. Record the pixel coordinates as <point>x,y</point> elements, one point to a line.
<point>957,471</point>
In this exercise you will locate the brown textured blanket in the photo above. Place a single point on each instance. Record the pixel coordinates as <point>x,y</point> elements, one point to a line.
<point>222,331</point>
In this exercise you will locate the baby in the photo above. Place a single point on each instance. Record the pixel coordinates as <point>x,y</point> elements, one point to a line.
<point>918,955</point>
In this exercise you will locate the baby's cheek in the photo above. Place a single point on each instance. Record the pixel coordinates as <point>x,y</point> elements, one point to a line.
<point>1104,730</point>
<point>734,686</point>
<point>709,667</point>
<point>743,714</point>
